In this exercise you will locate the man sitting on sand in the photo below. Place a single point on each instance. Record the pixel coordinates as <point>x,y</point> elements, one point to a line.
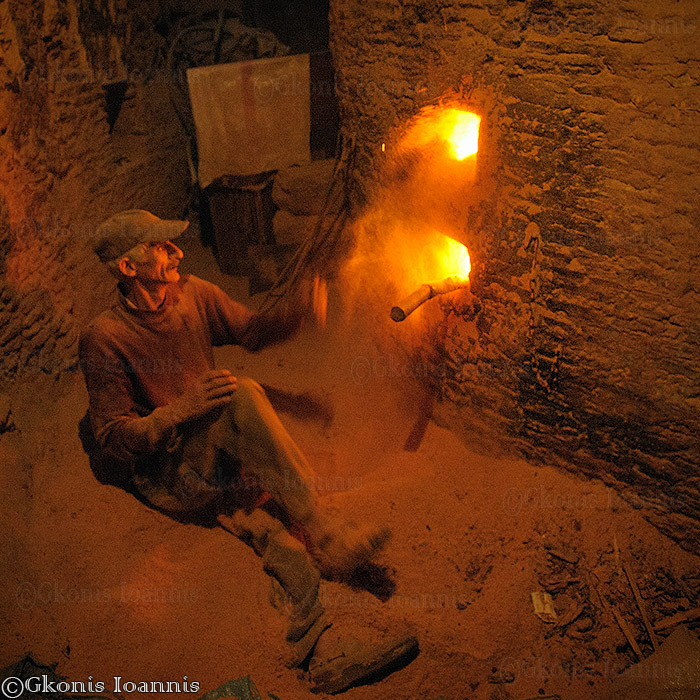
<point>194,438</point>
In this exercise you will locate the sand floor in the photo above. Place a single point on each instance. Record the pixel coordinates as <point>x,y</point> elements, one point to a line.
<point>101,585</point>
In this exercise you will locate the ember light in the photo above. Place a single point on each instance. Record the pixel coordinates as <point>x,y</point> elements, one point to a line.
<point>456,128</point>
<point>456,260</point>
<point>464,138</point>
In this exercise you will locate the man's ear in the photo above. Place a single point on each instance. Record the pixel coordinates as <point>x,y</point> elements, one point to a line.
<point>127,267</point>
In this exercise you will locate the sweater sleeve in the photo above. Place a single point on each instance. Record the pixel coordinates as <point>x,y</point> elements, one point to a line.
<point>118,423</point>
<point>227,319</point>
<point>231,323</point>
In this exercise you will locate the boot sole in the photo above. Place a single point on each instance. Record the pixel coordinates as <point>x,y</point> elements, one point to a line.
<point>359,672</point>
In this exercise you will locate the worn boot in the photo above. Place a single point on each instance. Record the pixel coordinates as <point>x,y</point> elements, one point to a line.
<point>288,562</point>
<point>339,661</point>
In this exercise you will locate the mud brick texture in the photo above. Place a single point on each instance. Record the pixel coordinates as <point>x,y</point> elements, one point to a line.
<point>62,171</point>
<point>583,222</point>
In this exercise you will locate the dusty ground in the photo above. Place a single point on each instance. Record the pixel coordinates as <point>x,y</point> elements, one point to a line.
<point>103,586</point>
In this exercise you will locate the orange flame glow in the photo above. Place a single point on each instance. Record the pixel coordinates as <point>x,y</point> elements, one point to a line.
<point>456,260</point>
<point>464,138</point>
<point>455,127</point>
<point>414,227</point>
<point>444,257</point>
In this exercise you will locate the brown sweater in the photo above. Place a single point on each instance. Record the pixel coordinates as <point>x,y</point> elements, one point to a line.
<point>136,362</point>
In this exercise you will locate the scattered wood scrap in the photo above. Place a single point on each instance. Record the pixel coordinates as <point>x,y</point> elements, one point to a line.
<point>640,604</point>
<point>683,587</point>
<point>572,614</point>
<point>677,619</point>
<point>626,631</point>
<point>556,585</point>
<point>564,555</point>
<point>622,624</point>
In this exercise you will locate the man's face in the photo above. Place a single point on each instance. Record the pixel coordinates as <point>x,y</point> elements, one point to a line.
<point>157,263</point>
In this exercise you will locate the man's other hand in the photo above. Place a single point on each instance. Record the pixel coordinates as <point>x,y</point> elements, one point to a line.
<point>319,301</point>
<point>213,389</point>
<point>310,301</point>
<point>307,301</point>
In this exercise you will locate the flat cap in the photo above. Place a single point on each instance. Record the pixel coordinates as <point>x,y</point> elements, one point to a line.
<point>125,230</point>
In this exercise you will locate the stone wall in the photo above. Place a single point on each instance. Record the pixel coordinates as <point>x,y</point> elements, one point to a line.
<point>584,346</point>
<point>62,171</point>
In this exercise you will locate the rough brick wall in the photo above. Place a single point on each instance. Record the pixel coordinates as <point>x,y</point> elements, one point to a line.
<point>583,223</point>
<point>61,171</point>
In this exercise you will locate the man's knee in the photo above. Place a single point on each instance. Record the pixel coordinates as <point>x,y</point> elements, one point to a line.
<point>248,389</point>
<point>247,397</point>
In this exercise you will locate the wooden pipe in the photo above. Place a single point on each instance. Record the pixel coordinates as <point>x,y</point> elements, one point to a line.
<point>426,291</point>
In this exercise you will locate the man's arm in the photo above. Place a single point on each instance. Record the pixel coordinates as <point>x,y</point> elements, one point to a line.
<point>118,425</point>
<point>231,323</point>
<point>271,327</point>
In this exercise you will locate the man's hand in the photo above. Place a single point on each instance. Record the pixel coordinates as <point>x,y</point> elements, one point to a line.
<point>307,301</point>
<point>213,389</point>
<point>319,301</point>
